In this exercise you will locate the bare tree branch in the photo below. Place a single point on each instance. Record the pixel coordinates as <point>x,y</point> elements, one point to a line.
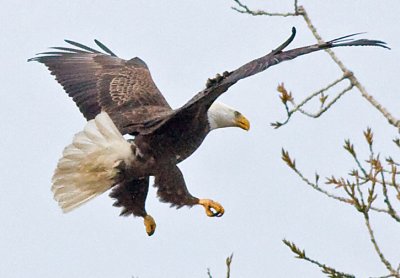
<point>228,266</point>
<point>361,187</point>
<point>245,10</point>
<point>324,106</point>
<point>228,262</point>
<point>330,271</point>
<point>354,80</point>
<point>389,267</point>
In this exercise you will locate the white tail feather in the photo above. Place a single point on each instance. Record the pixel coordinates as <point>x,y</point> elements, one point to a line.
<point>88,166</point>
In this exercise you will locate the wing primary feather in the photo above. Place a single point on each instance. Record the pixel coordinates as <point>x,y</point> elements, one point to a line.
<point>287,42</point>
<point>68,49</point>
<point>348,41</point>
<point>77,44</point>
<point>41,57</point>
<point>105,48</point>
<point>341,39</point>
<point>53,53</point>
<point>361,42</point>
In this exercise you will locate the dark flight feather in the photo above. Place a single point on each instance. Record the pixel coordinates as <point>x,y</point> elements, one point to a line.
<point>79,45</point>
<point>68,49</point>
<point>105,48</point>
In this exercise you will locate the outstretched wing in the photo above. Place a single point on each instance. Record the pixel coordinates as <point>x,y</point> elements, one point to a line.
<point>214,90</point>
<point>101,81</point>
<point>218,86</point>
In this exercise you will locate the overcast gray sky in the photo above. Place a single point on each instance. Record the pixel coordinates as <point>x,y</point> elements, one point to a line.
<point>184,43</point>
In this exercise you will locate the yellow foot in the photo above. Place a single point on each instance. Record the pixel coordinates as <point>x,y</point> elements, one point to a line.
<point>212,208</point>
<point>150,224</point>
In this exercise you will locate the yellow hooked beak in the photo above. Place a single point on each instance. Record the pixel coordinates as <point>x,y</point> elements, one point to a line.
<point>242,122</point>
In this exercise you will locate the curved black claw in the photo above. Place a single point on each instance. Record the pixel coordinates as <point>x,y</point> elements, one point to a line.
<point>213,209</point>
<point>218,78</point>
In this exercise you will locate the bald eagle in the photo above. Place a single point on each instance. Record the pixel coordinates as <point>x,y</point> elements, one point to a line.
<point>119,97</point>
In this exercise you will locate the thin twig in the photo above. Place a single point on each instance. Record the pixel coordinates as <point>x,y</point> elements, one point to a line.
<point>209,273</point>
<point>307,99</point>
<point>228,265</point>
<point>296,7</point>
<point>391,210</point>
<point>367,179</point>
<point>319,189</point>
<point>245,10</point>
<point>324,109</point>
<point>327,193</point>
<point>386,276</point>
<point>301,254</point>
<point>376,246</point>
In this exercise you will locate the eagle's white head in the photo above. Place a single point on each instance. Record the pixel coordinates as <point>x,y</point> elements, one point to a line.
<point>221,115</point>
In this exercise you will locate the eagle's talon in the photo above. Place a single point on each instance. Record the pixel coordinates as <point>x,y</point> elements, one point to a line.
<point>218,77</point>
<point>209,83</point>
<point>213,209</point>
<point>226,73</point>
<point>150,224</point>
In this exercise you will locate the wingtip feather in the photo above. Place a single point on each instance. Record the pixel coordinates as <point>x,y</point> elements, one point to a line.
<point>105,48</point>
<point>82,46</point>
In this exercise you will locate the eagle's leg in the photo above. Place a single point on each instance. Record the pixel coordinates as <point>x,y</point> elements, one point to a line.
<point>172,189</point>
<point>131,196</point>
<point>212,208</point>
